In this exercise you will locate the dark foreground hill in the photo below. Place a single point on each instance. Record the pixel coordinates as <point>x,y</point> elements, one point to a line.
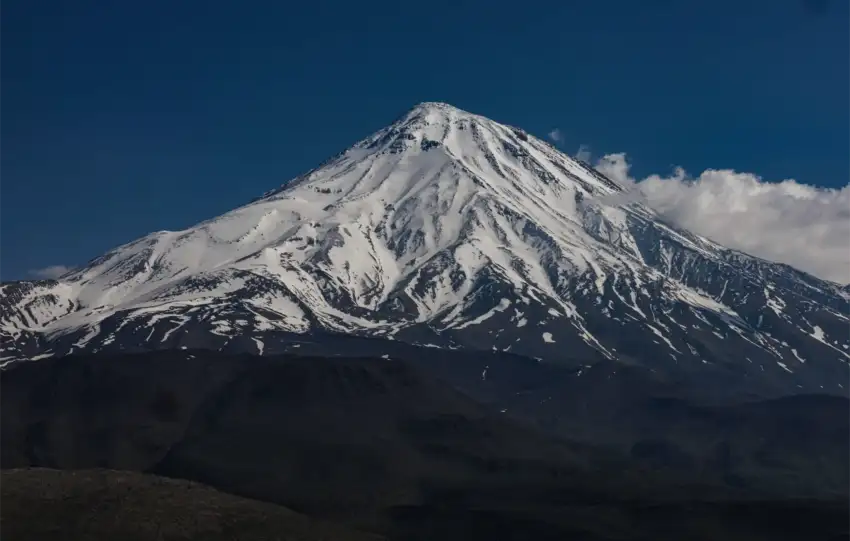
<point>46,505</point>
<point>91,505</point>
<point>376,444</point>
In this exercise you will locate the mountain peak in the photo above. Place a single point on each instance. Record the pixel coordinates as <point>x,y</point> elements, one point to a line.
<point>435,105</point>
<point>429,112</point>
<point>434,112</point>
<point>435,142</point>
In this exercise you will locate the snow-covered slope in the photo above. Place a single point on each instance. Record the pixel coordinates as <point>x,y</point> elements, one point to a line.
<point>452,230</point>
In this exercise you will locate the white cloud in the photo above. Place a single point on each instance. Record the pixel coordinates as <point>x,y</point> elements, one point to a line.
<point>583,154</point>
<point>804,226</point>
<point>53,271</point>
<point>556,135</point>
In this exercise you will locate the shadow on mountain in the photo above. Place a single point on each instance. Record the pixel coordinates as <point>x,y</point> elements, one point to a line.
<point>378,445</point>
<point>794,444</point>
<point>797,444</point>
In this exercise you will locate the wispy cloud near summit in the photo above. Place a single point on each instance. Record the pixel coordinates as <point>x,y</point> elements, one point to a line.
<point>50,272</point>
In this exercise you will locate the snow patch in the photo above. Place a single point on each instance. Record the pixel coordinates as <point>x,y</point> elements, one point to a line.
<point>501,307</point>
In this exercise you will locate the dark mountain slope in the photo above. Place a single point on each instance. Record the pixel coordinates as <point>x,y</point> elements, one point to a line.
<point>216,418</point>
<point>375,443</point>
<point>794,444</point>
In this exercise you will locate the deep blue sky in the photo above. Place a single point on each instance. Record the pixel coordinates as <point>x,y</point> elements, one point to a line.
<point>121,118</point>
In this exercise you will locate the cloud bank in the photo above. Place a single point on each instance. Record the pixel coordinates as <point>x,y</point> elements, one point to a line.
<point>51,272</point>
<point>804,226</point>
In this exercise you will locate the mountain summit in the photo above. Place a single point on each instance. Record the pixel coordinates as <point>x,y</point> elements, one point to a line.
<point>451,230</point>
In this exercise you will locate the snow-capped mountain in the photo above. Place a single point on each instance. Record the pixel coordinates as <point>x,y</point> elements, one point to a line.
<point>452,230</point>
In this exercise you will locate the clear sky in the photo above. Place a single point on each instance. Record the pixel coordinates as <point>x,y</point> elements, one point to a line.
<point>120,118</point>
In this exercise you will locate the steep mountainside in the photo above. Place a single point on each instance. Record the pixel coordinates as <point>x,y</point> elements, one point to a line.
<point>452,230</point>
